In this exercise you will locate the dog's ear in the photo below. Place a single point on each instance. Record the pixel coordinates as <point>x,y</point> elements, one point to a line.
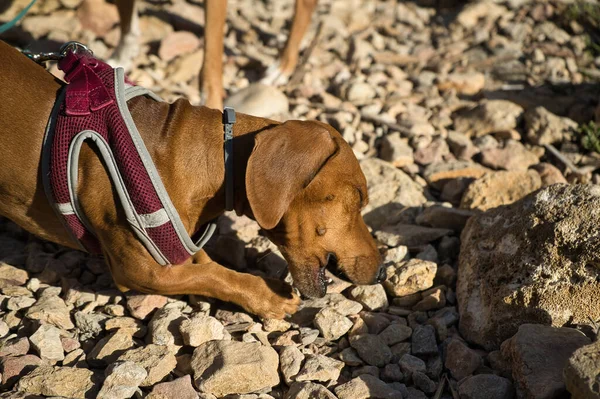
<point>284,161</point>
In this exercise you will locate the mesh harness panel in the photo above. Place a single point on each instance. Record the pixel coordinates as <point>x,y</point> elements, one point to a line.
<point>93,109</point>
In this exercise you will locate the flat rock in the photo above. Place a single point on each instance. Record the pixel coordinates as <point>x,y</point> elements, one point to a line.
<point>582,370</point>
<point>217,366</point>
<point>180,388</point>
<point>549,174</point>
<point>158,360</point>
<point>516,267</point>
<point>491,116</point>
<point>52,310</point>
<point>372,349</point>
<point>409,277</point>
<point>46,342</point>
<point>366,387</point>
<point>410,364</point>
<point>513,156</point>
<point>140,306</point>
<point>126,325</point>
<point>201,328</point>
<point>122,380</point>
<point>396,150</point>
<point>331,324</point>
<point>538,355</point>
<point>500,188</point>
<point>320,368</point>
<point>69,382</point>
<point>488,386</point>
<point>90,325</point>
<point>444,217</point>
<point>439,174</point>
<point>308,390</point>
<point>259,100</point>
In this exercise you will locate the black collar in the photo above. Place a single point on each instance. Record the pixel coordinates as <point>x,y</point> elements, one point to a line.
<point>228,121</point>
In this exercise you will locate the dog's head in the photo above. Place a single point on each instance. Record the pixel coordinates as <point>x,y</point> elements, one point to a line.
<point>306,189</point>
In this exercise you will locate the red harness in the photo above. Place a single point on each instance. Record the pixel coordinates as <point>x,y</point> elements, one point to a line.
<point>95,110</point>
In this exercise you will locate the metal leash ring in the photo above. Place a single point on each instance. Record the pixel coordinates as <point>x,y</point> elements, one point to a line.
<point>75,47</point>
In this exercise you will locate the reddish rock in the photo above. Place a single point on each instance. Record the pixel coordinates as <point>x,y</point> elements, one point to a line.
<point>14,367</point>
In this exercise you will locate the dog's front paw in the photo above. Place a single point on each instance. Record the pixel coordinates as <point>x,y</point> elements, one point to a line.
<point>273,299</point>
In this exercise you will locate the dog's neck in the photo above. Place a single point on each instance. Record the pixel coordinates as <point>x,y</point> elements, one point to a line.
<point>186,144</point>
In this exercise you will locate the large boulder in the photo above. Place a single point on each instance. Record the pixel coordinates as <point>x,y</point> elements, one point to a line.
<point>582,371</point>
<point>534,261</point>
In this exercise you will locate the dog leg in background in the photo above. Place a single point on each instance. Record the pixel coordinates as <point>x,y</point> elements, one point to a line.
<point>129,43</point>
<point>279,73</point>
<point>211,74</point>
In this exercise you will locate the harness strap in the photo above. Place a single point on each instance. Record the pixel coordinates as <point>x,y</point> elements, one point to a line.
<point>6,26</point>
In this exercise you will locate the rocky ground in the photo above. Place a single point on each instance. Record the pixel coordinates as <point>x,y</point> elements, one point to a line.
<point>464,117</point>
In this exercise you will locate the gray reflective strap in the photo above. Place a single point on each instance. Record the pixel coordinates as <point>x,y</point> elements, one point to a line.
<point>228,121</point>
<point>136,91</point>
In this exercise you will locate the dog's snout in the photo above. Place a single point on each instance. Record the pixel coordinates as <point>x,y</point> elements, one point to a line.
<point>381,274</point>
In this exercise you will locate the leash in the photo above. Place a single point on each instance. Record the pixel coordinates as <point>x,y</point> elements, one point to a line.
<point>6,26</point>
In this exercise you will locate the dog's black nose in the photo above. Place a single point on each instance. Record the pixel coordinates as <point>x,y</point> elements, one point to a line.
<point>381,275</point>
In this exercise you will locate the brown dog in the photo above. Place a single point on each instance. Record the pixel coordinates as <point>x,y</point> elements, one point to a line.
<point>211,73</point>
<point>299,180</point>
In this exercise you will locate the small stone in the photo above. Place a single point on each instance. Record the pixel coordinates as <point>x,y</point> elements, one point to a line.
<point>513,156</point>
<point>122,380</point>
<point>19,302</point>
<point>395,333</point>
<point>488,386</point>
<point>365,387</point>
<point>68,382</point>
<point>360,93</point>
<point>433,299</point>
<point>275,325</point>
<point>10,275</point>
<point>163,328</point>
<point>331,324</point>
<point>350,357</point>
<point>400,350</point>
<point>109,348</point>
<point>396,150</point>
<point>176,44</point>
<point>75,358</point>
<point>12,368</point>
<point>90,325</point>
<point>372,370</point>
<point>126,325</point>
<point>308,390</point>
<point>461,146</point>
<point>410,364</point>
<point>423,382</point>
<point>140,306</point>
<point>372,297</point>
<point>158,360</point>
<point>543,127</point>
<point>469,83</point>
<point>98,17</point>
<point>217,366</point>
<point>372,349</point>
<point>488,117</point>
<point>52,310</point>
<point>200,329</point>
<point>461,360</point>
<point>320,368</point>
<point>290,361</point>
<point>46,342</point>
<point>4,329</point>
<point>423,341</point>
<point>409,277</point>
<point>14,346</point>
<point>69,344</point>
<point>392,373</point>
<point>549,174</point>
<point>435,152</point>
<point>409,235</point>
<point>180,388</point>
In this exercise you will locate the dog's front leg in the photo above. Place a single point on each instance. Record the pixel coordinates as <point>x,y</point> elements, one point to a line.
<point>200,275</point>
